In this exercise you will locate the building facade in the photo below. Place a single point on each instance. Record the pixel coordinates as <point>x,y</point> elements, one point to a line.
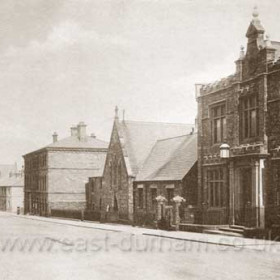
<point>11,192</point>
<point>130,144</point>
<point>55,175</point>
<point>170,170</point>
<point>242,112</point>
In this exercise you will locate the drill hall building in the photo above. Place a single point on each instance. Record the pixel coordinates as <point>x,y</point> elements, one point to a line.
<point>239,138</point>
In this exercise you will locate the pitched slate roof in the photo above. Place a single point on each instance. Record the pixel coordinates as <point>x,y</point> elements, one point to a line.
<point>74,142</point>
<point>138,139</point>
<point>170,159</point>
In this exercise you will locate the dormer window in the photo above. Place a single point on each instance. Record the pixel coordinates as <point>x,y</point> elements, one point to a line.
<point>218,119</point>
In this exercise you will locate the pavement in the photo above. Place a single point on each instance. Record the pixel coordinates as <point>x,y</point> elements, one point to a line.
<point>48,248</point>
<point>222,240</point>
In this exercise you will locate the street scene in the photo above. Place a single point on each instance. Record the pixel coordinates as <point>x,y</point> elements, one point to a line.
<point>50,249</point>
<point>140,139</point>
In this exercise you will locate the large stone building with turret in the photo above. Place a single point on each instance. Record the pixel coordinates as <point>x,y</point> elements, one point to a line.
<point>242,112</point>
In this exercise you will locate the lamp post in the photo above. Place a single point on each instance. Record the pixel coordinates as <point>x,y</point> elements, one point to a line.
<point>224,154</point>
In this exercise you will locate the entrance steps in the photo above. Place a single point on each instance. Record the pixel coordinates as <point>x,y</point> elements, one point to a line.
<point>232,230</point>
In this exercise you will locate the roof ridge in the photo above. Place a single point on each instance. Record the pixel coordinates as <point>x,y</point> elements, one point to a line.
<point>184,135</point>
<point>133,121</point>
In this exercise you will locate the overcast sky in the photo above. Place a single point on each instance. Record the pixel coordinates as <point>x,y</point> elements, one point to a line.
<point>64,61</point>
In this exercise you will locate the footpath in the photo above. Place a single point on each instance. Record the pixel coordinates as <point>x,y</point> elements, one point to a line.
<point>220,240</point>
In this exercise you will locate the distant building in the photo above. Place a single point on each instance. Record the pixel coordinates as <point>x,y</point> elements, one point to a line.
<point>242,112</point>
<point>7,169</point>
<point>131,143</point>
<point>169,170</point>
<point>11,192</point>
<point>55,175</point>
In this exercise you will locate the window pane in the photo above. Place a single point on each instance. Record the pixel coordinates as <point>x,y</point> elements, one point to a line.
<point>218,130</point>
<point>253,123</point>
<point>224,128</point>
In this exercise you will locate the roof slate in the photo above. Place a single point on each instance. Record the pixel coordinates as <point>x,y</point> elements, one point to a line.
<point>170,159</point>
<point>138,139</point>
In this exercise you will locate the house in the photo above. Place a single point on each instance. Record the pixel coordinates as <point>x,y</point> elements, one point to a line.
<point>239,138</point>
<point>55,175</point>
<point>130,144</point>
<point>7,169</point>
<point>11,192</point>
<point>170,170</point>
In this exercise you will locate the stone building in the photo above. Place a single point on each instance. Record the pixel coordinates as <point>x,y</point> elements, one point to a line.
<point>242,112</point>
<point>11,192</point>
<point>170,170</point>
<point>55,175</point>
<point>130,144</point>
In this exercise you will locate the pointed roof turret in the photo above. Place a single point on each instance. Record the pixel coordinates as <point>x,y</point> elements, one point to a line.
<point>255,27</point>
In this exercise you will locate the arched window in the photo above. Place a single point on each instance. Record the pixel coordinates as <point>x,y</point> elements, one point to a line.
<point>115,170</point>
<point>110,174</point>
<point>119,174</point>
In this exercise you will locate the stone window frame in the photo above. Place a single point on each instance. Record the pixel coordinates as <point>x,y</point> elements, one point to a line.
<point>119,174</point>
<point>140,190</point>
<point>110,174</point>
<point>153,194</point>
<point>215,117</point>
<point>216,187</point>
<point>249,104</point>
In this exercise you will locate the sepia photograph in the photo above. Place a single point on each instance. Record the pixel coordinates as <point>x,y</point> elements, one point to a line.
<point>140,139</point>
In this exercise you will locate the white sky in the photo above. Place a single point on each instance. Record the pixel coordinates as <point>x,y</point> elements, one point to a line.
<point>64,61</point>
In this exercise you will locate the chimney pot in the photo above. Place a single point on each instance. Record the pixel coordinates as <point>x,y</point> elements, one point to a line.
<point>74,130</point>
<point>82,131</point>
<point>55,136</point>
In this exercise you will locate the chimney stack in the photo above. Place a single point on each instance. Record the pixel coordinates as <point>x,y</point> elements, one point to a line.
<point>74,130</point>
<point>93,135</point>
<point>54,137</point>
<point>82,131</point>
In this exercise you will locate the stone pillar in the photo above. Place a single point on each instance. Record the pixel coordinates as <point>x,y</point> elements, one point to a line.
<point>261,195</point>
<point>232,194</point>
<point>178,200</point>
<point>161,201</point>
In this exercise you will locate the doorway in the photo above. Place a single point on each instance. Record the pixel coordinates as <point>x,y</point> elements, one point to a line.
<point>243,215</point>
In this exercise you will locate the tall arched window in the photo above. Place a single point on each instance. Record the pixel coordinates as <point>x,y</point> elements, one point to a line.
<point>119,174</point>
<point>115,170</point>
<point>110,174</point>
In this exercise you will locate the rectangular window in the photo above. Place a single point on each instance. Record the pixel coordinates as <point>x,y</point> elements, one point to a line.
<point>140,198</point>
<point>218,119</point>
<point>216,191</point>
<point>249,119</point>
<point>170,195</point>
<point>153,196</point>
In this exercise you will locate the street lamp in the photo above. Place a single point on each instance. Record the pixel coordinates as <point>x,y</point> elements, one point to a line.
<point>224,151</point>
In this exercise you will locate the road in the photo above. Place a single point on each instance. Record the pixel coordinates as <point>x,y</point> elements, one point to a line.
<point>34,249</point>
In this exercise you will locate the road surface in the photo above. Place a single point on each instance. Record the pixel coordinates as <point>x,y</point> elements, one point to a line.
<point>34,249</point>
